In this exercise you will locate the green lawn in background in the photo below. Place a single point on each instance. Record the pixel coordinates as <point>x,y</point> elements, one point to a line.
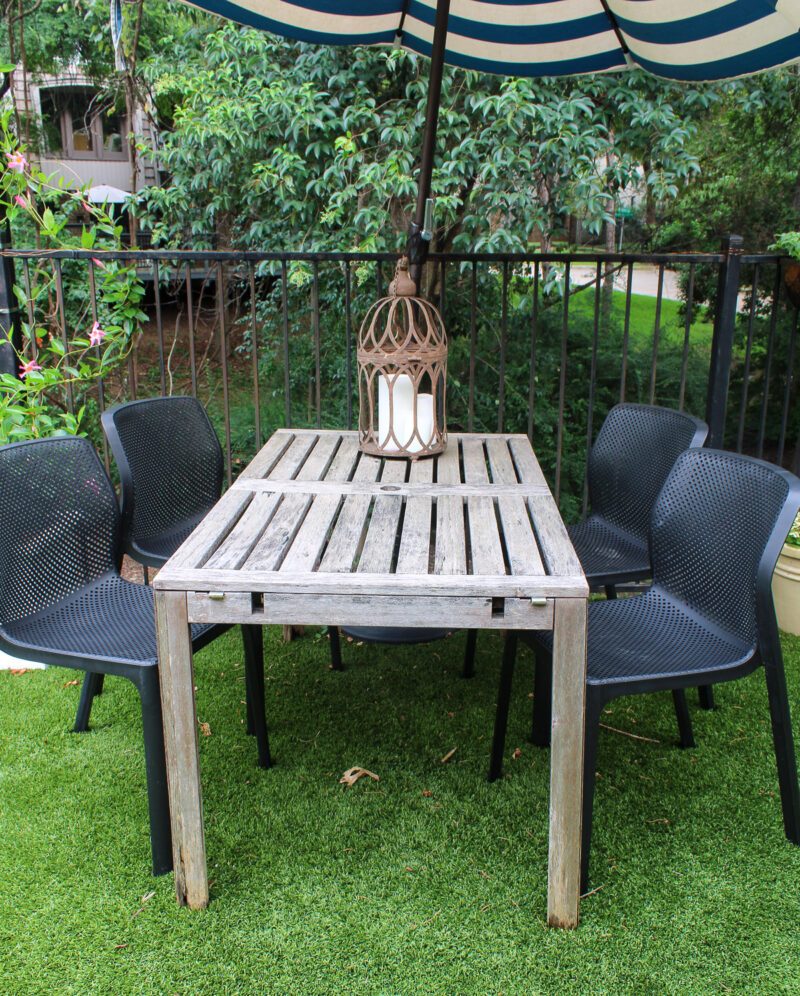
<point>672,325</point>
<point>429,881</point>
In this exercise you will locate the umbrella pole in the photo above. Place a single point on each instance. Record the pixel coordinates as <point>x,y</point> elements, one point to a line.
<point>417,248</point>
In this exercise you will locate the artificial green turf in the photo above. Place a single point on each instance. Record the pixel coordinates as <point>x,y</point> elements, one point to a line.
<point>429,881</point>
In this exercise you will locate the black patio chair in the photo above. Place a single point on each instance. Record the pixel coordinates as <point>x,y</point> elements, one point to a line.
<point>170,466</point>
<point>715,534</point>
<point>63,601</point>
<point>634,452</point>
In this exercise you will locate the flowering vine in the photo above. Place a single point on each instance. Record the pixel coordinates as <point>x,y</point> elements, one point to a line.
<point>70,337</point>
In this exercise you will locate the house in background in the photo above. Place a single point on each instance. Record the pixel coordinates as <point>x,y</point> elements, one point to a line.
<point>81,139</point>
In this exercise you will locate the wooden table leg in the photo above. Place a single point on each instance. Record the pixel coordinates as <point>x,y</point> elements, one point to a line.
<point>176,678</point>
<point>566,762</point>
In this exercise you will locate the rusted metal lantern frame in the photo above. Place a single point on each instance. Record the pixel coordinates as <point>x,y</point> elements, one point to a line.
<point>402,374</point>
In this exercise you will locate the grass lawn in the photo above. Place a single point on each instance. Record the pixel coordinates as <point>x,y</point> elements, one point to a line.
<point>429,881</point>
<point>643,316</point>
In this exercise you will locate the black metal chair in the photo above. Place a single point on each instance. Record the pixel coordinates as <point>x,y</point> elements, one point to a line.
<point>171,467</point>
<point>716,531</point>
<point>63,601</point>
<point>628,464</point>
<point>634,452</point>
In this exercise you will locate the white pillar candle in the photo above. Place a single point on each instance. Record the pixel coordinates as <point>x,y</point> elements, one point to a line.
<point>401,415</point>
<point>425,423</point>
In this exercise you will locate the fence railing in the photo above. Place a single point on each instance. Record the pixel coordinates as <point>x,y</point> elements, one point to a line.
<point>539,344</point>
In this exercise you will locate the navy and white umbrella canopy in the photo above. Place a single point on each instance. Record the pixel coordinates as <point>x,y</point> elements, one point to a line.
<point>689,40</point>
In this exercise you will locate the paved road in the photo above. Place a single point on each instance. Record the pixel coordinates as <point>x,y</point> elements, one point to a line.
<point>645,280</point>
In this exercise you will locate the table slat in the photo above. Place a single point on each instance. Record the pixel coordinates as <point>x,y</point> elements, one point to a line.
<point>376,556</point>
<point>451,548</point>
<point>269,454</point>
<point>415,541</point>
<point>525,461</point>
<point>312,535</point>
<point>484,535</point>
<point>553,537</point>
<point>277,537</point>
<point>293,457</point>
<point>200,544</point>
<point>521,547</point>
<point>319,460</point>
<point>348,533</point>
<point>248,530</point>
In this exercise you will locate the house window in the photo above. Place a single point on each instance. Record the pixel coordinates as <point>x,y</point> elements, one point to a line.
<point>76,126</point>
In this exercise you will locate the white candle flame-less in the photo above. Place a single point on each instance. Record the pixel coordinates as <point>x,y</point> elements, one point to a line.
<point>401,417</point>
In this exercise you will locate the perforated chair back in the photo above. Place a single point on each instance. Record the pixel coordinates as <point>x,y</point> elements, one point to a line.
<point>717,530</point>
<point>170,463</point>
<point>60,523</point>
<point>631,458</point>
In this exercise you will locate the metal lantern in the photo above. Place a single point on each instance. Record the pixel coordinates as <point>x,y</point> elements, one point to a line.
<point>402,370</point>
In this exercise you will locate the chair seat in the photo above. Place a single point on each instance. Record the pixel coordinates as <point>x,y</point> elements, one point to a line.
<point>609,555</point>
<point>649,637</point>
<point>110,619</point>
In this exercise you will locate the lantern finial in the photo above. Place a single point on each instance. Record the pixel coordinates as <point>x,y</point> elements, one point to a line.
<point>402,285</point>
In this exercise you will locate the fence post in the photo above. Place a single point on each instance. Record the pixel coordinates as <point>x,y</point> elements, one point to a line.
<point>722,341</point>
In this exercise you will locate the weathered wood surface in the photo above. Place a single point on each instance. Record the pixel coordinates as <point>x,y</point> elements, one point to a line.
<point>318,582</point>
<point>180,744</point>
<point>311,505</point>
<point>315,532</point>
<point>477,612</point>
<point>566,761</point>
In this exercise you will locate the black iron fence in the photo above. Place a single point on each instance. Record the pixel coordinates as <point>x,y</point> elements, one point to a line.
<point>540,344</point>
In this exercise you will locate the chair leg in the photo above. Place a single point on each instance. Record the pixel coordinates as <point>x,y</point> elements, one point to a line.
<point>156,768</point>
<point>706,693</point>
<point>784,747</point>
<point>468,670</point>
<point>503,702</point>
<point>590,737</point>
<point>92,685</point>
<point>252,637</point>
<point>336,648</point>
<point>542,700</point>
<point>611,591</point>
<point>682,714</point>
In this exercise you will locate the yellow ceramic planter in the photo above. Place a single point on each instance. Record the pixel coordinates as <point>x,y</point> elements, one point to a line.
<point>786,589</point>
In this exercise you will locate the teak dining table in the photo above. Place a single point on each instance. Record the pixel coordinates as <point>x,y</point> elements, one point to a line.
<point>314,532</point>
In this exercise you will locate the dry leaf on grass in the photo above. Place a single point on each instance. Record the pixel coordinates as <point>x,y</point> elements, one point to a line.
<point>205,729</point>
<point>68,683</point>
<point>20,670</point>
<point>351,776</point>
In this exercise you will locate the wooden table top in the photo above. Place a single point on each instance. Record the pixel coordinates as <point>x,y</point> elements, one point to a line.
<point>312,516</point>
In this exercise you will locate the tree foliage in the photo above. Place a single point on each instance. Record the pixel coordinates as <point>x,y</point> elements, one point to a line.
<point>289,146</point>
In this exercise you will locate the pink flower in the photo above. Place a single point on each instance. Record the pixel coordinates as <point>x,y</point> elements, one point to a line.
<point>99,262</point>
<point>97,335</point>
<point>28,367</point>
<point>22,201</point>
<point>17,162</point>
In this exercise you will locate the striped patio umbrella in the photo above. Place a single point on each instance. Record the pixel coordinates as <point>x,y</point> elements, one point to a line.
<point>688,40</point>
<point>677,39</point>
